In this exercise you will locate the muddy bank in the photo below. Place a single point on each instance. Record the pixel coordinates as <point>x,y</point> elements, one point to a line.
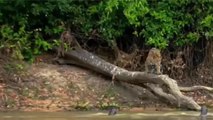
<point>49,87</point>
<point>44,86</point>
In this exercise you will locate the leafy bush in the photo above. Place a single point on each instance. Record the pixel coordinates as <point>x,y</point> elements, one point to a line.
<point>15,41</point>
<point>156,23</point>
<point>159,23</point>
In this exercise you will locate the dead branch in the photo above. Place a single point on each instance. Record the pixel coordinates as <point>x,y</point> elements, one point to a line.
<point>194,88</point>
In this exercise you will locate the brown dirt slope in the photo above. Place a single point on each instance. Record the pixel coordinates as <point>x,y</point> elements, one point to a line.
<point>48,87</point>
<point>43,86</point>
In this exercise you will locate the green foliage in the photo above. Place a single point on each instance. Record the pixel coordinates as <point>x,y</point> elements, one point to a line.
<point>22,31</point>
<point>16,41</point>
<point>40,44</point>
<point>27,25</point>
<point>21,42</point>
<point>206,26</point>
<point>159,23</point>
<point>135,10</point>
<point>82,105</point>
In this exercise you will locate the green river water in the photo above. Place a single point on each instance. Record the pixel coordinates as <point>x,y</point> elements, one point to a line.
<point>180,115</point>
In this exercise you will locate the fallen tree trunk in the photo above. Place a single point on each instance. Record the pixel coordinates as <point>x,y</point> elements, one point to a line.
<point>152,82</point>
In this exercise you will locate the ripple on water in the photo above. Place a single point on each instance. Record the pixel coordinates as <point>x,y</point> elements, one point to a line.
<point>180,115</point>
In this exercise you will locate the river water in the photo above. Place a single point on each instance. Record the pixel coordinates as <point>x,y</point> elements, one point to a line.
<point>181,115</point>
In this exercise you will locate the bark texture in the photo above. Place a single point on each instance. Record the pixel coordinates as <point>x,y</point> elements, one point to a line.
<point>162,86</point>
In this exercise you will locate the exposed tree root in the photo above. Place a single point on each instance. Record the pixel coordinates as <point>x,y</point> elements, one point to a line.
<point>194,88</point>
<point>160,85</point>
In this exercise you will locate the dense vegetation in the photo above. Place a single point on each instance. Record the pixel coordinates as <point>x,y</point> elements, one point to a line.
<point>29,27</point>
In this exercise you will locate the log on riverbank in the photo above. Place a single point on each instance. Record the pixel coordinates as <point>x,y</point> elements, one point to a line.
<point>162,86</point>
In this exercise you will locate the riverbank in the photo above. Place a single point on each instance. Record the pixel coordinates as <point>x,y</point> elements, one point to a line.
<point>44,86</point>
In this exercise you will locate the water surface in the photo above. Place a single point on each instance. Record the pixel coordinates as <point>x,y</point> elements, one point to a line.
<point>180,115</point>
